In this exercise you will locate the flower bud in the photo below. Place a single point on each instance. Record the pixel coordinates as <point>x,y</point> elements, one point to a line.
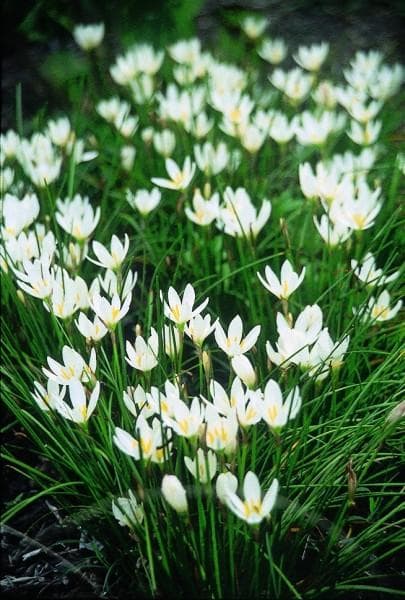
<point>244,370</point>
<point>174,493</point>
<point>206,360</point>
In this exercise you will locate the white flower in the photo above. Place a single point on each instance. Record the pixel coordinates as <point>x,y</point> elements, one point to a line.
<point>185,421</point>
<point>239,217</point>
<point>369,274</point>
<point>327,353</point>
<point>357,212</point>
<point>127,511</point>
<point>127,155</point>
<point>232,343</point>
<point>289,280</point>
<point>367,135</point>
<point>210,159</point>
<point>81,409</point>
<point>199,328</point>
<point>113,259</point>
<point>47,398</point>
<point>136,401</point>
<point>77,217</point>
<point>205,210</point>
<point>254,26</point>
<point>273,51</point>
<point>181,311</point>
<point>110,312</point>
<point>164,142</point>
<point>244,370</point>
<point>294,83</point>
<point>18,214</point>
<point>144,354</point>
<point>37,277</point>
<point>73,368</point>
<point>332,234</point>
<point>95,330</point>
<point>313,130</point>
<point>203,467</point>
<point>293,344</point>
<point>172,342</point>
<point>144,200</point>
<point>149,442</point>
<point>60,131</point>
<point>281,130</point>
<point>226,484</point>
<point>379,309</point>
<point>89,36</point>
<point>253,509</point>
<point>312,57</point>
<point>179,178</point>
<point>174,493</point>
<point>221,432</point>
<point>274,411</point>
<point>185,51</point>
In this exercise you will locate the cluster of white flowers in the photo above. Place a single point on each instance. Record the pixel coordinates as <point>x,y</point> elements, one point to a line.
<point>213,120</point>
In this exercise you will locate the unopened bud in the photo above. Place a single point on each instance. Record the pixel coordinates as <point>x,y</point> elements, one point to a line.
<point>244,370</point>
<point>138,329</point>
<point>207,364</point>
<point>174,493</point>
<point>21,296</point>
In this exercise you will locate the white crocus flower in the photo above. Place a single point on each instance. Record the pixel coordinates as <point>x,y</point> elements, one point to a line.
<point>276,413</point>
<point>113,259</point>
<point>332,234</point>
<point>232,343</point>
<point>368,273</point>
<point>82,408</point>
<point>295,83</point>
<point>358,212</point>
<point>60,131</point>
<point>239,217</point>
<point>244,370</point>
<point>328,354</point>
<point>110,284</point>
<point>110,312</point>
<point>294,342</point>
<point>210,159</point>
<point>254,26</point>
<point>281,130</point>
<point>148,445</point>
<point>136,401</point>
<point>379,309</point>
<point>181,310</point>
<point>174,493</point>
<point>221,432</point>
<point>143,355</point>
<point>172,342</point>
<point>253,508</point>
<point>144,200</point>
<point>94,331</point>
<point>179,178</point>
<point>127,511</point>
<point>204,211</point>
<point>289,280</point>
<point>273,51</point>
<point>89,36</point>
<point>77,217</point>
<point>199,328</point>
<point>37,278</point>
<point>164,142</point>
<point>47,398</point>
<point>312,57</point>
<point>185,421</point>
<point>18,214</point>
<point>226,484</point>
<point>127,156</point>
<point>73,368</point>
<point>203,467</point>
<point>367,135</point>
